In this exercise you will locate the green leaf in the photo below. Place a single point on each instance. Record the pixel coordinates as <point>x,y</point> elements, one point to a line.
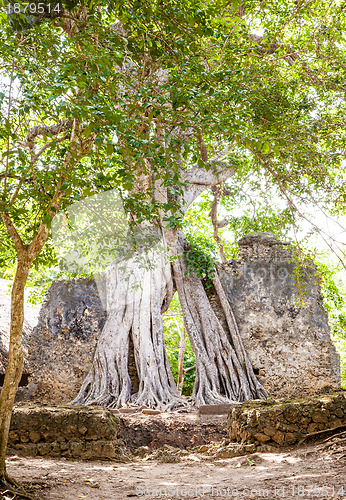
<point>266,148</point>
<point>47,219</point>
<point>110,149</point>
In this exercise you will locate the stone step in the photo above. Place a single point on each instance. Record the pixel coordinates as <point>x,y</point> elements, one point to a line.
<point>221,409</point>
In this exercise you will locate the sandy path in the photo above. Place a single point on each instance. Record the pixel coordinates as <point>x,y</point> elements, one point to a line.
<point>292,475</point>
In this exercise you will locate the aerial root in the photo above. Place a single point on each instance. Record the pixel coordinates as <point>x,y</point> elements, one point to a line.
<point>11,486</point>
<point>319,433</point>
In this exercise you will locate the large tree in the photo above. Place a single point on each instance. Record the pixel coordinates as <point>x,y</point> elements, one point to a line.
<point>58,119</point>
<point>236,99</point>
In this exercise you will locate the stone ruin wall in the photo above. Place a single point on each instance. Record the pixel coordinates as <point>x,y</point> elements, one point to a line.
<point>63,343</point>
<point>286,422</point>
<point>288,343</point>
<point>63,431</point>
<point>285,331</point>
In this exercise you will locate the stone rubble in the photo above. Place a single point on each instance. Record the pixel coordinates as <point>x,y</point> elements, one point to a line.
<point>285,422</point>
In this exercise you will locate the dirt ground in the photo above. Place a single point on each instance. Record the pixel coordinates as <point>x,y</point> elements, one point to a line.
<point>177,428</point>
<point>303,473</point>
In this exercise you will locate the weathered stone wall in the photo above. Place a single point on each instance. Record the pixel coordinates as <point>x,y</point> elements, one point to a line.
<point>62,344</point>
<point>73,432</point>
<point>282,422</point>
<point>92,432</point>
<point>288,342</point>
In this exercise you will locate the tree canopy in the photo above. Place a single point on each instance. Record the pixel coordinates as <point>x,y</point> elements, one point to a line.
<point>163,86</point>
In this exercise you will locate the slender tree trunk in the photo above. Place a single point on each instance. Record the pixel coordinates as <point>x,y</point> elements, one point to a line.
<point>181,355</point>
<point>15,359</point>
<point>26,254</point>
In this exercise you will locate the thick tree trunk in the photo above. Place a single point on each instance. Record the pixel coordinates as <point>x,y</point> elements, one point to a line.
<point>223,370</point>
<point>14,361</point>
<point>136,298</point>
<point>108,382</point>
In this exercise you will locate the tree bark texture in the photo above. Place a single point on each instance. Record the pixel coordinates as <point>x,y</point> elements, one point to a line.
<point>136,298</point>
<point>223,370</point>
<point>15,359</point>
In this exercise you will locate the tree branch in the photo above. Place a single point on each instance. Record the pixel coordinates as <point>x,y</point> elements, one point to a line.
<point>48,130</point>
<point>12,231</point>
<point>218,193</point>
<point>291,57</point>
<point>199,178</point>
<point>40,238</point>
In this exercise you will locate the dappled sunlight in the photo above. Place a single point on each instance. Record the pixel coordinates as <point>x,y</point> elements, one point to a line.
<point>104,480</point>
<point>279,458</point>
